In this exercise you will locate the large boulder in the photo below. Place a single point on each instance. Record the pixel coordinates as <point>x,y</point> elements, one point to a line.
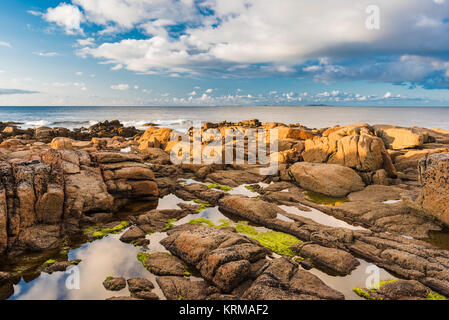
<point>352,146</point>
<point>434,177</point>
<point>397,138</point>
<point>222,258</point>
<point>328,179</point>
<point>155,138</point>
<point>61,143</point>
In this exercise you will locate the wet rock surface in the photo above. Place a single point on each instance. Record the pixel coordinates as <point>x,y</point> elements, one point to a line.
<point>141,288</point>
<point>223,258</point>
<point>336,260</point>
<point>179,288</point>
<point>114,284</point>
<point>282,280</point>
<point>163,264</point>
<point>390,180</point>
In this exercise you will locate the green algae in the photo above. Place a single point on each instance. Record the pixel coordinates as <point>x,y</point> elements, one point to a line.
<point>49,262</point>
<point>435,296</point>
<point>243,227</point>
<point>76,262</point>
<point>98,234</point>
<point>203,205</point>
<point>169,224</point>
<point>278,242</point>
<point>209,223</point>
<point>364,294</point>
<point>118,228</point>
<point>221,187</point>
<point>322,199</point>
<point>202,221</point>
<point>367,293</point>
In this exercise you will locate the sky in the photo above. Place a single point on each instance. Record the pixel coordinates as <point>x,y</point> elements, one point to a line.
<point>224,52</point>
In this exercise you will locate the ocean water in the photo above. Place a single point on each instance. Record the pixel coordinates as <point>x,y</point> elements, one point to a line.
<point>184,117</point>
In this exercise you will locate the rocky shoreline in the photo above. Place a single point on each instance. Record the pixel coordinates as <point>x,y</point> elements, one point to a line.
<point>388,184</point>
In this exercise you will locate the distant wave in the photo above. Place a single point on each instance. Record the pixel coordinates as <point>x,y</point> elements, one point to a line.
<point>37,123</point>
<point>88,123</point>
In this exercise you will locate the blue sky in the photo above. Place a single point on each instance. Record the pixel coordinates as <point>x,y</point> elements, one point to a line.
<point>224,52</point>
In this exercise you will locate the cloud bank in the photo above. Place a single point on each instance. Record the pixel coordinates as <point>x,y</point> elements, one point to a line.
<point>324,40</point>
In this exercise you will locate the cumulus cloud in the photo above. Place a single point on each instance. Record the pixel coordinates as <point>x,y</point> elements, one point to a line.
<point>263,37</point>
<point>67,16</point>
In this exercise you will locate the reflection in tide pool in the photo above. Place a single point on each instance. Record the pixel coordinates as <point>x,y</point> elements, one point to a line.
<point>111,257</point>
<point>100,259</point>
<point>357,278</point>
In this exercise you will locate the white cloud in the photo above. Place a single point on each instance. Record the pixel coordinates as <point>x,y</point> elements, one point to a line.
<point>5,44</point>
<point>86,42</point>
<point>46,54</point>
<point>79,73</point>
<point>255,31</point>
<point>121,87</point>
<point>258,37</point>
<point>117,67</point>
<point>35,13</point>
<point>66,16</point>
<point>387,95</point>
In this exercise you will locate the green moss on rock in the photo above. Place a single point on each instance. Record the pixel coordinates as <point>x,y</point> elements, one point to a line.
<point>436,296</point>
<point>364,294</point>
<point>49,262</point>
<point>243,227</point>
<point>278,242</point>
<point>221,187</point>
<point>118,228</point>
<point>203,205</point>
<point>209,223</point>
<point>169,224</point>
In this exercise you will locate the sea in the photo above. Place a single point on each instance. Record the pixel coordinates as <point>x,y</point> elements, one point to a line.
<point>183,117</point>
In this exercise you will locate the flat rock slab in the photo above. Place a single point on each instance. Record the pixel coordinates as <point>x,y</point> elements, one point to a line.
<point>377,193</point>
<point>396,290</point>
<point>164,264</point>
<point>334,259</point>
<point>132,234</point>
<point>180,288</point>
<point>234,178</point>
<point>249,208</point>
<point>282,280</point>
